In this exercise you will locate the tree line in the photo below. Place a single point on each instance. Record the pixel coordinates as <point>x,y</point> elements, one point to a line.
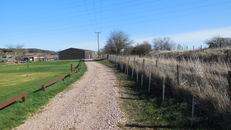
<point>119,43</point>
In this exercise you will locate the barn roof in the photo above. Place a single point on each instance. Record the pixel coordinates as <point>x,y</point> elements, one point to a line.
<point>75,49</point>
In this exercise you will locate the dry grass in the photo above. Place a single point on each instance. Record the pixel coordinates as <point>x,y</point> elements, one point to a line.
<point>207,81</point>
<point>205,55</point>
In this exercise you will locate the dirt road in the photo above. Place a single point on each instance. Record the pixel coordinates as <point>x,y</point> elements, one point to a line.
<point>90,103</point>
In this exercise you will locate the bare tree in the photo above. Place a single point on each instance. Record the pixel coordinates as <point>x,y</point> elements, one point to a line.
<point>142,49</point>
<point>110,48</point>
<point>219,42</point>
<point>17,49</point>
<point>128,50</point>
<point>12,46</point>
<point>118,42</point>
<point>164,43</point>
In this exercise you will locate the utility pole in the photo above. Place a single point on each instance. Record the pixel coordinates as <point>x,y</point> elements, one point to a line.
<point>97,33</point>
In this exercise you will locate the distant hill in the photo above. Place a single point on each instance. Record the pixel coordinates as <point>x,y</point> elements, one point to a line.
<point>28,50</point>
<point>34,50</point>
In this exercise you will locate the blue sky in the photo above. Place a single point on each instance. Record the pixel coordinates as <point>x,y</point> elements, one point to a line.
<point>59,24</point>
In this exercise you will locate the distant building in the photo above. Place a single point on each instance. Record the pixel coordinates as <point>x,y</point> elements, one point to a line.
<point>8,56</point>
<point>75,53</point>
<point>40,57</point>
<point>26,54</point>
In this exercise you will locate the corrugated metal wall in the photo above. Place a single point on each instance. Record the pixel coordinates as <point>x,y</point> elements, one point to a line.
<point>72,53</point>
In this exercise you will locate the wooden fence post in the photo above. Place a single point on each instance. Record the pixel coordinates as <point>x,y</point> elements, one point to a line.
<point>43,88</point>
<point>117,62</point>
<point>125,66</point>
<point>125,71</point>
<point>71,67</point>
<point>24,99</point>
<point>163,90</point>
<point>150,81</point>
<point>137,77</point>
<point>118,59</point>
<point>134,62</point>
<point>177,74</point>
<point>229,81</point>
<point>128,64</point>
<point>121,65</point>
<point>193,110</point>
<point>112,59</point>
<point>156,62</point>
<point>142,76</point>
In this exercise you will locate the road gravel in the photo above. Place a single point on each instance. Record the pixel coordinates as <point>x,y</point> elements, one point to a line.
<point>90,103</point>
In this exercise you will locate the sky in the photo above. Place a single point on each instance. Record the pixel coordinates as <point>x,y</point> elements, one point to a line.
<point>60,24</point>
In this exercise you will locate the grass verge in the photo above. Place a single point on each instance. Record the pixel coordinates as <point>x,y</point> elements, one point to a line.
<point>144,110</point>
<point>17,113</point>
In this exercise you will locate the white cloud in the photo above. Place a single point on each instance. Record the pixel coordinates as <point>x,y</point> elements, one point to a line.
<point>203,34</point>
<point>196,37</point>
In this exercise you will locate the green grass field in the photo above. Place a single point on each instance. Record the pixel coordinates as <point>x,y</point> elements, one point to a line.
<point>19,78</point>
<point>15,79</point>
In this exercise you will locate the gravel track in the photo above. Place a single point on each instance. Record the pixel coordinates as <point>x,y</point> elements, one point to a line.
<point>90,103</point>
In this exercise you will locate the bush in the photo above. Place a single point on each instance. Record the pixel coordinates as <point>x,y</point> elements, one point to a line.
<point>217,42</point>
<point>164,43</point>
<point>142,49</point>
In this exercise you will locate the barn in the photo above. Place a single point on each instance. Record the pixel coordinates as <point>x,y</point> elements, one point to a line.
<point>76,53</point>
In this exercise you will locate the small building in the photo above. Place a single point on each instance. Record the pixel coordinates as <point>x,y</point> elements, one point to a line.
<point>75,53</point>
<point>34,57</point>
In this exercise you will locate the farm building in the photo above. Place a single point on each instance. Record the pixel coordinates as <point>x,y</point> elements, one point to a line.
<point>75,53</point>
<point>26,54</point>
<point>41,57</point>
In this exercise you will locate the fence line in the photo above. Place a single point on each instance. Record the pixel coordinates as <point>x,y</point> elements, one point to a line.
<point>181,76</point>
<point>189,75</point>
<point>12,100</point>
